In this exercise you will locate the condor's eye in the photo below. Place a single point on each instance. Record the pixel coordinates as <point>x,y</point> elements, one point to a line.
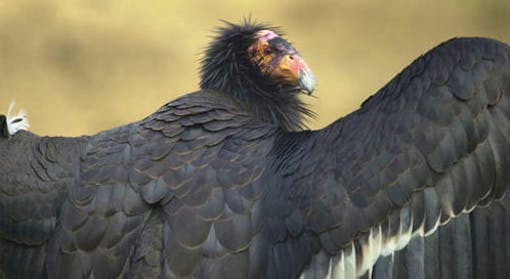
<point>267,50</point>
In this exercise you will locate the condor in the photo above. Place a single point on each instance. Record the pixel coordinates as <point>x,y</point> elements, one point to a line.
<point>227,182</point>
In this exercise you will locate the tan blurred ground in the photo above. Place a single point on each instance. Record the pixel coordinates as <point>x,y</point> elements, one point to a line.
<point>79,67</point>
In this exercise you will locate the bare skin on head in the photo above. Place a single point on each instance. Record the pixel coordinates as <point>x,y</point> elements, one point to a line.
<point>277,58</point>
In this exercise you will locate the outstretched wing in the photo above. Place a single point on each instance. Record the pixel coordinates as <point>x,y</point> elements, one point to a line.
<point>432,144</point>
<point>474,245</point>
<point>35,173</point>
<point>174,195</point>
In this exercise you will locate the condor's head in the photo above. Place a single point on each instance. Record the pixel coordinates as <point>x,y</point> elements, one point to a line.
<point>256,65</point>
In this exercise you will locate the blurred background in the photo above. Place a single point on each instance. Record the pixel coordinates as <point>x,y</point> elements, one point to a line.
<point>79,67</point>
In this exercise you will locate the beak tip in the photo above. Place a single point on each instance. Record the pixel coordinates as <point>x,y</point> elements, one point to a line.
<point>307,81</point>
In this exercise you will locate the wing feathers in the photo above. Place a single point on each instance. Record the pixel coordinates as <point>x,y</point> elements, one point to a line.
<point>435,142</point>
<point>35,173</point>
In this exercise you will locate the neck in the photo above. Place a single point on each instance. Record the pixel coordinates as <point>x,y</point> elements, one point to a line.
<point>227,68</point>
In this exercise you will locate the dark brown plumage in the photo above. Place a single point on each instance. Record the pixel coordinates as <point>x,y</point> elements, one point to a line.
<point>213,185</point>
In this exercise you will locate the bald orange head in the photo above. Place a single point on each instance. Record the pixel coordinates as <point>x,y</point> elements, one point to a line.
<point>277,59</point>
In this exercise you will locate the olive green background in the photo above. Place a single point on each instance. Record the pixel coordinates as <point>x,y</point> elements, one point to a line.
<point>79,67</point>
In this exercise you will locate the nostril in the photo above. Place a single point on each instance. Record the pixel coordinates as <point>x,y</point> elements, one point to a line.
<point>291,57</point>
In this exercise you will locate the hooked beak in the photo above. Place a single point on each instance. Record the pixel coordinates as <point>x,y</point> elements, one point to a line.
<point>306,81</point>
<point>293,70</point>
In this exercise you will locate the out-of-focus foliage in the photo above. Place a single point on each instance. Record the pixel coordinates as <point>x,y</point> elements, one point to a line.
<point>79,67</point>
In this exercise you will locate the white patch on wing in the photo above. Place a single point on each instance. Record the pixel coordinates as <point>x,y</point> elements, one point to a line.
<point>434,228</point>
<point>405,233</point>
<point>377,242</point>
<point>371,247</point>
<point>18,122</point>
<point>337,266</point>
<point>350,262</point>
